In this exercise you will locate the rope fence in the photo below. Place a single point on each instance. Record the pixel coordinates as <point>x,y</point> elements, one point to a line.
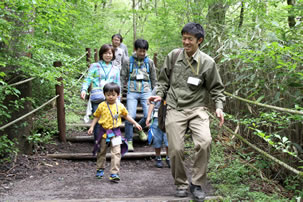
<point>264,105</point>
<point>281,163</point>
<point>26,115</point>
<point>80,58</point>
<point>21,82</point>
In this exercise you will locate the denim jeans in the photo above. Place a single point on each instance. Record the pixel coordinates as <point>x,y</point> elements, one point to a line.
<point>131,105</point>
<point>160,137</point>
<point>97,126</point>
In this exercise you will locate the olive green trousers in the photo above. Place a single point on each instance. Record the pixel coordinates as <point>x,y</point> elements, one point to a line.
<point>176,123</point>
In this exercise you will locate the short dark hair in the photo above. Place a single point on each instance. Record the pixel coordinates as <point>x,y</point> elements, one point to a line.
<point>104,48</point>
<point>118,36</point>
<point>193,28</point>
<point>111,87</point>
<point>141,43</point>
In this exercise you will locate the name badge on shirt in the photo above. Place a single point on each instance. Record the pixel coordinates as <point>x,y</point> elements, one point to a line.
<point>155,114</point>
<point>193,81</point>
<point>116,140</point>
<point>139,77</point>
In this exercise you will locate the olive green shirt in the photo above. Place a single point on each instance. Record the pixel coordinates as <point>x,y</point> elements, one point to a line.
<point>181,94</point>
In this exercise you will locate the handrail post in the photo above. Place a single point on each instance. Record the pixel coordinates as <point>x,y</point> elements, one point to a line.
<point>60,106</point>
<point>96,54</point>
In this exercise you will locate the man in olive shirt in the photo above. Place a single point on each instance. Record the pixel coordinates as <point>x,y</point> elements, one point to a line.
<point>193,78</point>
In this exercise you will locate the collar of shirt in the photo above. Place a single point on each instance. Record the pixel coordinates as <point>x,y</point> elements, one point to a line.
<point>195,56</point>
<point>106,65</point>
<point>138,61</point>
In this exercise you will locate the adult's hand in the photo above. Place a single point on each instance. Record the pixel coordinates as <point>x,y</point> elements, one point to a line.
<point>83,93</point>
<point>220,115</point>
<point>154,99</point>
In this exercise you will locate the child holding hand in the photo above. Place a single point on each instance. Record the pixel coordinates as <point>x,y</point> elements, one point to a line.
<point>159,137</point>
<point>108,115</point>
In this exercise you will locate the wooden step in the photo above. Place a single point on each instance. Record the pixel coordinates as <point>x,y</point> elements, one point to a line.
<point>139,111</point>
<point>90,138</point>
<point>89,156</point>
<point>138,117</point>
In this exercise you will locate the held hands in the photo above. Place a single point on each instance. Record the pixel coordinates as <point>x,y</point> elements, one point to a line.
<point>220,115</point>
<point>154,99</point>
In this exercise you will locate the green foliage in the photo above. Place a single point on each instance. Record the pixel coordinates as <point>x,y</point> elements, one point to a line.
<point>234,179</point>
<point>294,184</point>
<point>39,140</point>
<point>7,149</point>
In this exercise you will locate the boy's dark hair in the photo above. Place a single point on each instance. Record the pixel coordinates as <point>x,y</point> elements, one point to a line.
<point>141,43</point>
<point>118,36</point>
<point>111,87</point>
<point>104,49</point>
<point>194,29</point>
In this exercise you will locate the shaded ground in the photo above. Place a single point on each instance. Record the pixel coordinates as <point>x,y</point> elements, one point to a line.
<point>38,177</point>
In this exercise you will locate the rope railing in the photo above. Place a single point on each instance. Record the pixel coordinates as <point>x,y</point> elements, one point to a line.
<point>26,115</point>
<point>83,73</point>
<point>79,58</point>
<point>21,82</point>
<point>32,78</point>
<point>264,105</point>
<point>43,105</point>
<point>281,163</point>
<point>60,101</point>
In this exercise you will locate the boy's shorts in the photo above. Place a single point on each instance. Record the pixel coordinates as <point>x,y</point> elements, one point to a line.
<point>160,137</point>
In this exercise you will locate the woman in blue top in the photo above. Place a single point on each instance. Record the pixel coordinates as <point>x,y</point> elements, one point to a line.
<point>99,74</point>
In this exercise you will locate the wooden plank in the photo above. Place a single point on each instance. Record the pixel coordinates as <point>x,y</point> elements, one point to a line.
<point>89,156</point>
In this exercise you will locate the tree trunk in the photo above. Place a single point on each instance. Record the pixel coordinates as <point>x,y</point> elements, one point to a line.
<point>241,14</point>
<point>291,17</point>
<point>18,47</point>
<point>134,21</point>
<point>19,131</point>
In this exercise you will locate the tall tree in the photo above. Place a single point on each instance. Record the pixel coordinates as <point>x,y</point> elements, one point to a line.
<point>134,21</point>
<point>291,16</point>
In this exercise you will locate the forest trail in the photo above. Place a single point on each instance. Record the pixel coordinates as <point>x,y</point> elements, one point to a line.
<point>39,178</point>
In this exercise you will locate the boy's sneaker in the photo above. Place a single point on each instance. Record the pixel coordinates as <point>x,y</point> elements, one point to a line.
<point>159,163</point>
<point>167,161</point>
<point>114,178</point>
<point>197,192</point>
<point>100,173</point>
<point>142,135</point>
<point>130,146</point>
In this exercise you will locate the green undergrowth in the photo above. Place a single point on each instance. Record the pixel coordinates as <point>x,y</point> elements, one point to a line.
<point>237,175</point>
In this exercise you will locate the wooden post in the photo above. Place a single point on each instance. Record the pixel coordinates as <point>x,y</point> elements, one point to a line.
<point>96,55</point>
<point>60,106</point>
<point>88,56</point>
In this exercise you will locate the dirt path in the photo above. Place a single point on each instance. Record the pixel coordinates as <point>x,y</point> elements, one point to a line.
<point>37,177</point>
